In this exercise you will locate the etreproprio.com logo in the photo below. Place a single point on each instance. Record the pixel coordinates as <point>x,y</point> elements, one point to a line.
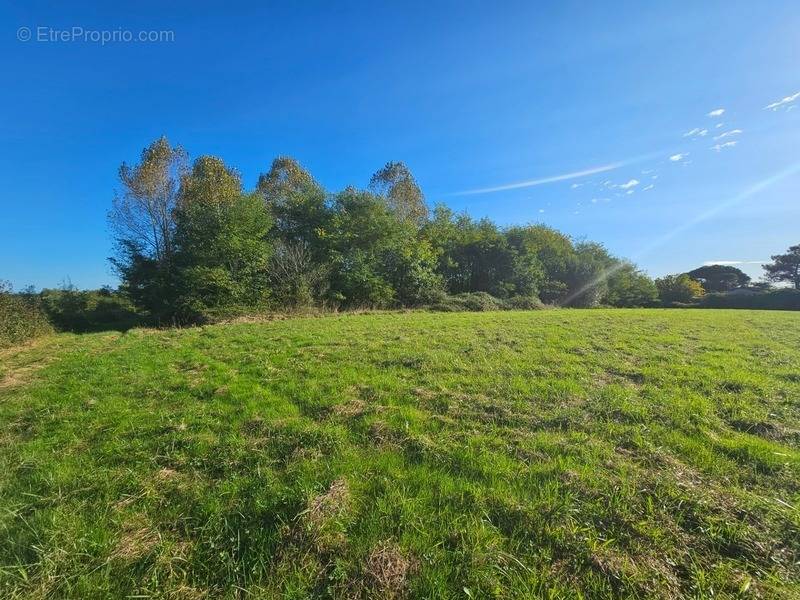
<point>46,34</point>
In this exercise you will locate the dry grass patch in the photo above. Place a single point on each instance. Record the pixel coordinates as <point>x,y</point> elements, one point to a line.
<point>388,570</point>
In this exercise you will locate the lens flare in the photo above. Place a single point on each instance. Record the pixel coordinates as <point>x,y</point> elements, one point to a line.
<point>700,218</point>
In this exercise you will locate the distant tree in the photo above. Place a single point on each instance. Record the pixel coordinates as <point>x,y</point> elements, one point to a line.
<point>299,206</point>
<point>142,220</point>
<point>720,278</point>
<point>221,241</point>
<point>553,251</point>
<point>377,257</point>
<point>142,216</point>
<point>678,288</point>
<point>587,274</point>
<point>473,255</point>
<point>628,287</point>
<point>395,183</point>
<point>785,267</point>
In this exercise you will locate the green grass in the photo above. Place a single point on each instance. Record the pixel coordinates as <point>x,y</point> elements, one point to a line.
<point>549,454</point>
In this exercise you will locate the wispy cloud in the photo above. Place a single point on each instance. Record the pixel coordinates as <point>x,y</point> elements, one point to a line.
<point>728,134</point>
<point>782,102</point>
<point>678,157</point>
<point>540,181</point>
<point>717,112</point>
<point>648,187</point>
<point>708,263</point>
<point>719,147</point>
<point>696,132</point>
<point>630,184</point>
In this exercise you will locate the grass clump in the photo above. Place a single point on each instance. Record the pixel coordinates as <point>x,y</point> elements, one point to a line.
<point>539,454</point>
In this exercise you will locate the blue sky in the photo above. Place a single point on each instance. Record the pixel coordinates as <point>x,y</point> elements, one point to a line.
<point>470,96</point>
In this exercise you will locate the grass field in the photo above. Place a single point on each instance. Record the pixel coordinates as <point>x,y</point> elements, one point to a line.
<point>552,454</point>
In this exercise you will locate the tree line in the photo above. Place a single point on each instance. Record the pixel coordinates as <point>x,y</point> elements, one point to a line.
<point>192,243</point>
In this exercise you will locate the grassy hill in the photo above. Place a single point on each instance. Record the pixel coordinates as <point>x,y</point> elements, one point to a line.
<point>603,453</point>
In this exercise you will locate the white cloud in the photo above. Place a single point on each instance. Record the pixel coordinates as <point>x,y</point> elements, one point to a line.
<point>629,192</point>
<point>696,132</point>
<point>648,187</point>
<point>719,147</point>
<point>575,186</point>
<point>783,102</point>
<point>532,182</point>
<point>630,184</point>
<point>728,134</point>
<point>718,125</point>
<point>678,157</point>
<point>541,210</point>
<point>717,112</point>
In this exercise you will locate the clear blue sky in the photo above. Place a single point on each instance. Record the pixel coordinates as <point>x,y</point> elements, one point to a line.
<point>468,95</point>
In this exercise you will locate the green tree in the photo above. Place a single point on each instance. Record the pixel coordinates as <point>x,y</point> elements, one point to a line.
<point>785,267</point>
<point>222,244</point>
<point>298,204</point>
<point>678,288</point>
<point>378,259</point>
<point>629,287</point>
<point>142,220</point>
<point>395,183</point>
<point>474,256</point>
<point>553,251</point>
<point>719,278</point>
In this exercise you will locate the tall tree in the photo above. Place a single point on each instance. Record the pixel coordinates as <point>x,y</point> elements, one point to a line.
<point>785,267</point>
<point>142,217</point>
<point>395,183</point>
<point>719,278</point>
<point>142,220</point>
<point>298,203</point>
<point>221,240</point>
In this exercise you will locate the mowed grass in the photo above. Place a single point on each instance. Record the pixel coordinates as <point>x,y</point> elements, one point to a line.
<point>552,454</point>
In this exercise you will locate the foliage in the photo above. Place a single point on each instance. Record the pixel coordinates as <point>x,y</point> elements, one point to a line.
<point>142,220</point>
<point>210,247</point>
<point>678,288</point>
<point>780,299</point>
<point>222,250</point>
<point>720,278</point>
<point>377,258</point>
<point>542,454</point>
<point>79,311</point>
<point>785,267</point>
<point>628,287</point>
<point>395,183</point>
<point>475,256</point>
<point>21,316</point>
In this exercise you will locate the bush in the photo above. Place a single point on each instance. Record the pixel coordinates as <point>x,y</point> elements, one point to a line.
<point>524,303</point>
<point>481,302</point>
<point>785,299</point>
<point>80,311</point>
<point>21,317</point>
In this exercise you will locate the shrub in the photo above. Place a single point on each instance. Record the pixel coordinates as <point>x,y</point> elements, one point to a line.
<point>481,301</point>
<point>785,299</point>
<point>21,317</point>
<point>678,288</point>
<point>80,311</point>
<point>524,303</point>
